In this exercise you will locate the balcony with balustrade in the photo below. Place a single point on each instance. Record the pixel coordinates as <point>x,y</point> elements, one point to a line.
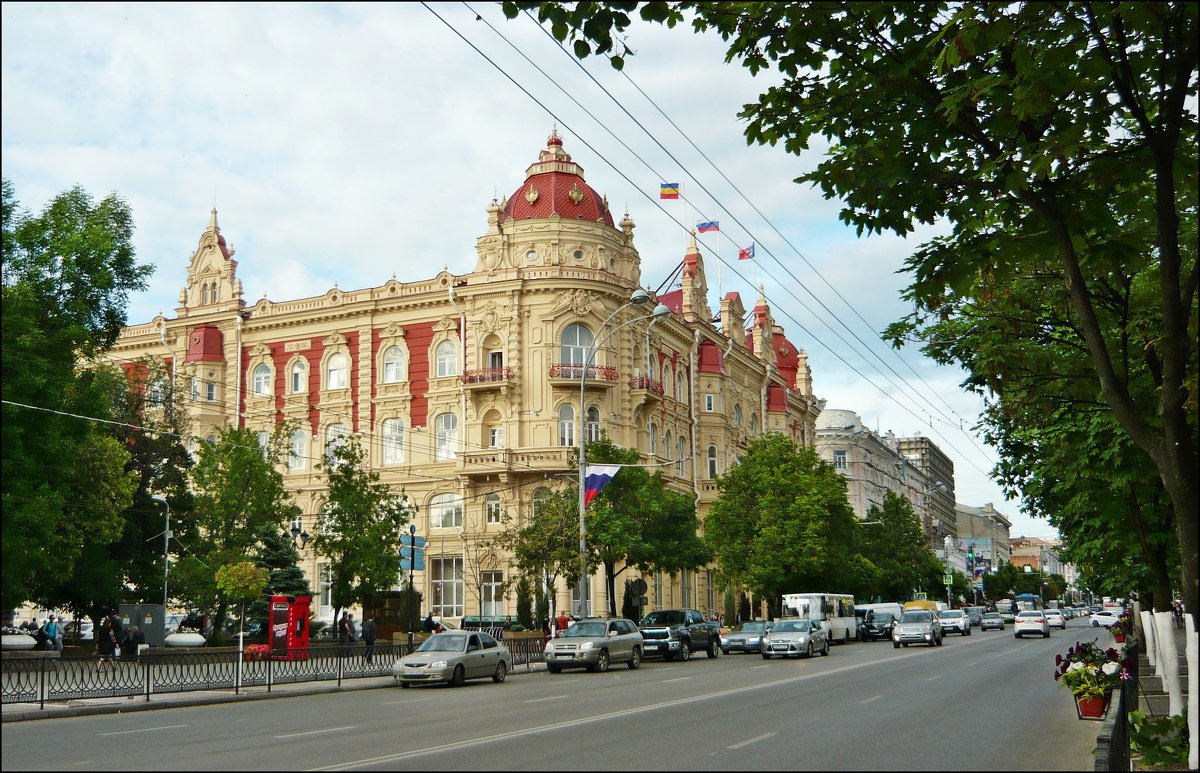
<point>488,379</point>
<point>645,391</point>
<point>562,375</point>
<point>504,461</point>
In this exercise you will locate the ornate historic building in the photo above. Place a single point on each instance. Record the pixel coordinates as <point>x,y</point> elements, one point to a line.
<point>466,387</point>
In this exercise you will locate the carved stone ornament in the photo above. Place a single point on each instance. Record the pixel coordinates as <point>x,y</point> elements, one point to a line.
<point>532,194</point>
<point>446,324</point>
<point>393,330</point>
<point>575,194</point>
<point>260,350</point>
<point>335,340</point>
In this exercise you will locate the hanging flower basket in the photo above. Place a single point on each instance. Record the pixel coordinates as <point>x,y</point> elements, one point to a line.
<point>1092,707</point>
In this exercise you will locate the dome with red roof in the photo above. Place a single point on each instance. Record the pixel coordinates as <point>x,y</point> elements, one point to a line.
<point>554,185</point>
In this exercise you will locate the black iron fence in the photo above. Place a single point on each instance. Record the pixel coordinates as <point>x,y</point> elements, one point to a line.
<point>38,680</point>
<point>1112,743</point>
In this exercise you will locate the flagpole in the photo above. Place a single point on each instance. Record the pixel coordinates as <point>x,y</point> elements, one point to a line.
<point>719,286</point>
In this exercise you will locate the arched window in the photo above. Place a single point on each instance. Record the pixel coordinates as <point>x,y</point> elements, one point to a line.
<point>681,392</point>
<point>158,391</point>
<point>737,415</point>
<point>393,365</point>
<point>593,424</point>
<point>335,435</point>
<point>262,380</point>
<point>574,345</point>
<point>335,372</point>
<point>445,512</point>
<point>682,454</point>
<point>668,381</point>
<point>447,359</point>
<point>491,508</point>
<point>204,293</point>
<point>297,449</point>
<point>668,442</point>
<point>216,292</point>
<point>446,428</point>
<point>754,423</point>
<point>393,441</point>
<point>299,377</point>
<point>712,462</point>
<point>566,426</point>
<point>653,438</point>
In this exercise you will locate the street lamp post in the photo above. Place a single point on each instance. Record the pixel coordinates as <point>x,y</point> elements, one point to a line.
<point>412,562</point>
<point>166,548</point>
<point>638,298</point>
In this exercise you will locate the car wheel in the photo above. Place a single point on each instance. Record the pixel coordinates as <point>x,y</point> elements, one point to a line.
<point>460,676</point>
<point>896,645</point>
<point>713,649</point>
<point>809,652</point>
<point>601,664</point>
<point>685,651</point>
<point>825,649</point>
<point>405,685</point>
<point>937,642</point>
<point>766,656</point>
<point>1095,624</point>
<point>501,672</point>
<point>554,669</point>
<point>635,659</point>
<point>1046,635</point>
<point>1017,635</point>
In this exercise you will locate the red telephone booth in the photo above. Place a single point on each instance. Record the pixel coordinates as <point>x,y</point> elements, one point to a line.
<point>289,627</point>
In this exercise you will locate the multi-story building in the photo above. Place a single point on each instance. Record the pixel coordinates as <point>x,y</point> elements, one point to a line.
<point>985,531</point>
<point>1037,553</point>
<point>937,493</point>
<point>466,387</point>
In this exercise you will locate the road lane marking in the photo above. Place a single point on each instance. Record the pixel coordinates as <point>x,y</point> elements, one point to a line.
<point>551,698</point>
<point>762,737</point>
<point>414,700</point>
<point>676,679</point>
<point>764,665</point>
<point>315,732</point>
<point>868,700</point>
<point>930,679</point>
<point>144,730</point>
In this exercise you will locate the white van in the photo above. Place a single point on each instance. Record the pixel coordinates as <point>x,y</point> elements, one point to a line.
<point>891,606</point>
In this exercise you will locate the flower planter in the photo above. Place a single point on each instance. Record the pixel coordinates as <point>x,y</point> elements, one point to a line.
<point>1093,707</point>
<point>185,640</point>
<point>1119,638</point>
<point>18,641</point>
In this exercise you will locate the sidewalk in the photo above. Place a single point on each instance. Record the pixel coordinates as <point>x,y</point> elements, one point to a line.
<point>21,712</point>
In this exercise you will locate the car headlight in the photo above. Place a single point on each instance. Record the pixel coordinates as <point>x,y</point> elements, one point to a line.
<point>587,645</point>
<point>439,664</point>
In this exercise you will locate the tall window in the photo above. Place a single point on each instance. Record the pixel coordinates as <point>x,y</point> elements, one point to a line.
<point>710,403</point>
<point>712,462</point>
<point>682,454</point>
<point>447,586</point>
<point>680,387</point>
<point>158,391</point>
<point>195,389</point>
<point>445,512</point>
<point>297,450</point>
<point>211,391</point>
<point>658,590</point>
<point>737,415</point>
<point>493,593</point>
<point>264,442</point>
<point>204,293</point>
<point>710,595</point>
<point>668,381</point>
<point>839,460</point>
<point>446,429</point>
<point>325,573</point>
<point>495,437</point>
<point>447,359</point>
<point>216,292</point>
<point>574,345</point>
<point>393,365</point>
<point>299,378</point>
<point>335,435</point>
<point>491,508</point>
<point>593,424</point>
<point>335,372</point>
<point>653,438</point>
<point>262,379</point>
<point>685,588</point>
<point>566,426</point>
<point>754,423</point>
<point>540,494</point>
<point>393,441</point>
<point>667,443</point>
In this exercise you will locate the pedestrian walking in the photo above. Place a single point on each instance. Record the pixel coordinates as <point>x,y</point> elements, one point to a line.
<point>47,633</point>
<point>106,641</point>
<point>560,623</point>
<point>59,632</point>
<point>429,625</point>
<point>134,640</point>
<point>368,635</point>
<point>345,630</point>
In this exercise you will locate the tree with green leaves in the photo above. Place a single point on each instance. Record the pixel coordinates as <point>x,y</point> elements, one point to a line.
<point>240,500</point>
<point>68,273</point>
<point>781,522</point>
<point>241,582</point>
<point>546,546</point>
<point>1041,134</point>
<point>277,554</point>
<point>892,539</point>
<point>360,526</point>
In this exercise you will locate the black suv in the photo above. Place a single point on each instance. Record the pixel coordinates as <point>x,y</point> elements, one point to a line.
<point>676,633</point>
<point>876,625</point>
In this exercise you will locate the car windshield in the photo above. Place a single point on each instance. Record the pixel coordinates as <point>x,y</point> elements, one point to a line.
<point>949,613</point>
<point>440,642</point>
<point>916,617</point>
<point>665,617</point>
<point>883,617</point>
<point>790,625</point>
<point>991,615</point>
<point>751,627</point>
<point>586,629</point>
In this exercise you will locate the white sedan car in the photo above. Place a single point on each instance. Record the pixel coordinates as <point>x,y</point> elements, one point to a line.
<point>1031,621</point>
<point>1056,619</point>
<point>1104,617</point>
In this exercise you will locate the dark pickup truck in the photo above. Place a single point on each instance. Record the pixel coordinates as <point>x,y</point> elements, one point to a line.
<point>676,633</point>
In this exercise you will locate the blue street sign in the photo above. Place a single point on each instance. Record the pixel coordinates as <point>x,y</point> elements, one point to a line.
<point>406,564</point>
<point>407,540</point>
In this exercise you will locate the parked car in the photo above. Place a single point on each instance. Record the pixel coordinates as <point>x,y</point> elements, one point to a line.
<point>917,626</point>
<point>677,633</point>
<point>746,637</point>
<point>954,621</point>
<point>991,620</point>
<point>975,614</point>
<point>594,644</point>
<point>795,637</point>
<point>1031,621</point>
<point>1105,617</point>
<point>452,658</point>
<point>1056,619</point>
<point>876,625</point>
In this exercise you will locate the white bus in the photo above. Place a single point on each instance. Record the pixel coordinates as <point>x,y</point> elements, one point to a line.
<point>834,610</point>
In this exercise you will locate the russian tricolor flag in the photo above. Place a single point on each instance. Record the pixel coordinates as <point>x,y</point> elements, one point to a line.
<point>595,478</point>
<point>711,225</point>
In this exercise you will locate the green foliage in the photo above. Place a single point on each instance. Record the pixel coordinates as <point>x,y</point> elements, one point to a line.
<point>276,554</point>
<point>361,523</point>
<point>892,539</point>
<point>1159,741</point>
<point>781,520</point>
<point>242,581</point>
<point>67,276</point>
<point>628,610</point>
<point>541,604</point>
<point>730,607</point>
<point>524,602</point>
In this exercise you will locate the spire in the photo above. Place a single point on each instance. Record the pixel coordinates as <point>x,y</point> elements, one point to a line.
<point>695,285</point>
<point>212,221</point>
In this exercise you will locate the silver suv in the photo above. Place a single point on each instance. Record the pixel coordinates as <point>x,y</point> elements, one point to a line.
<point>917,626</point>
<point>594,644</point>
<point>955,621</point>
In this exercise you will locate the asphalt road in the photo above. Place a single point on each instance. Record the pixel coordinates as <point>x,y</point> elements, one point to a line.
<point>983,702</point>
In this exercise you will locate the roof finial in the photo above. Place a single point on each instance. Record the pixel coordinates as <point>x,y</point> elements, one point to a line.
<point>212,220</point>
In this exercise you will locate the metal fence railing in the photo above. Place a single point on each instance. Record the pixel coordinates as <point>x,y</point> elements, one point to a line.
<point>38,680</point>
<point>1112,743</point>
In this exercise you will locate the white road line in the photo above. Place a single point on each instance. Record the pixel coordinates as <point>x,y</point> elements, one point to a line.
<point>396,703</point>
<point>315,732</point>
<point>539,700</point>
<point>930,679</point>
<point>144,730</point>
<point>868,700</point>
<point>764,665</point>
<point>676,679</point>
<point>762,737</point>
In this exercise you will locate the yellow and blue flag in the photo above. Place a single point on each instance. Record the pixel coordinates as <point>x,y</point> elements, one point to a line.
<point>668,190</point>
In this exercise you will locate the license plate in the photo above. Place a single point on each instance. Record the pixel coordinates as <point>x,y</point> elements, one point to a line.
<point>413,672</point>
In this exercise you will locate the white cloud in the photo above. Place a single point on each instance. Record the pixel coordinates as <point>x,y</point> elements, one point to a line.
<point>346,143</point>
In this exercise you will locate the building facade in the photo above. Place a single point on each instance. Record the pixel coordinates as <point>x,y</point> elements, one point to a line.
<point>986,531</point>
<point>466,387</point>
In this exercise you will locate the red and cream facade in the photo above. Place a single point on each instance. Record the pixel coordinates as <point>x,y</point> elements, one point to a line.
<point>466,387</point>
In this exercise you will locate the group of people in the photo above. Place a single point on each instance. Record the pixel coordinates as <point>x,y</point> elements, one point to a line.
<point>347,636</point>
<point>49,634</point>
<point>113,640</point>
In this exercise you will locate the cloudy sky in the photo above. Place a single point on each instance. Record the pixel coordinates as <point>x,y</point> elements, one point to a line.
<point>343,144</point>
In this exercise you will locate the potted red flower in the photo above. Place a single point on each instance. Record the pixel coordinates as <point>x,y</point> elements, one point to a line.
<point>1090,673</point>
